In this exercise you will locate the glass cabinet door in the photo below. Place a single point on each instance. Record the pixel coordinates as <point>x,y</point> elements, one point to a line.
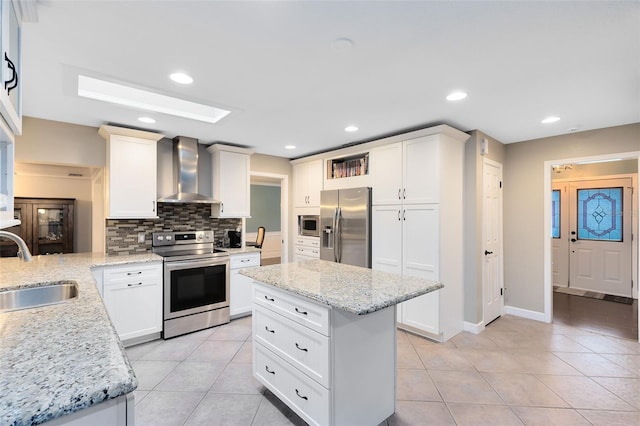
<point>49,228</point>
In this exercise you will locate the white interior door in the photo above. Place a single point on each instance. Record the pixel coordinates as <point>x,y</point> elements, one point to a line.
<point>560,233</point>
<point>492,270</point>
<point>600,236</point>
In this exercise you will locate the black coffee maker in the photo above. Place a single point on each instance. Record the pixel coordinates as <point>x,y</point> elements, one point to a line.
<point>235,239</point>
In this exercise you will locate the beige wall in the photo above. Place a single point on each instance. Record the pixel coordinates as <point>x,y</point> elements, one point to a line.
<point>62,187</point>
<point>597,169</point>
<point>524,203</point>
<point>473,245</point>
<point>54,142</point>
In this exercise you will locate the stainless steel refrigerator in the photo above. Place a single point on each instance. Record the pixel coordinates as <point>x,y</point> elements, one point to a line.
<point>345,226</point>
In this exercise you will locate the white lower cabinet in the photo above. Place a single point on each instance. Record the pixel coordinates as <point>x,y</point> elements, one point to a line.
<point>329,366</point>
<point>306,248</point>
<point>241,298</point>
<point>132,294</point>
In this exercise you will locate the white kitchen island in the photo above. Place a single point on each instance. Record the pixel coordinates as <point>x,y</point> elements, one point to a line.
<point>324,338</point>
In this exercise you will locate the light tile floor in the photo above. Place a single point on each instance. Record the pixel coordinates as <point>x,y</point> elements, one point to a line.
<point>516,372</point>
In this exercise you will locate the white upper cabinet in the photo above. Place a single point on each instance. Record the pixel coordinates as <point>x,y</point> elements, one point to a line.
<point>131,173</point>
<point>231,181</point>
<point>307,183</point>
<point>406,172</point>
<point>11,93</point>
<point>6,177</point>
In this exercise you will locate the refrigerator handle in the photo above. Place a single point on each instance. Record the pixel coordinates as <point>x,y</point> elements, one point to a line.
<point>338,236</point>
<point>335,234</point>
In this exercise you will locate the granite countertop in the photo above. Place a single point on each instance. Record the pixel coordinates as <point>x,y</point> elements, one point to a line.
<point>61,358</point>
<point>240,250</point>
<point>350,288</point>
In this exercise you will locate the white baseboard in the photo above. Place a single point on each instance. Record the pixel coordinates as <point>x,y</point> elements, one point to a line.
<point>524,313</point>
<point>473,328</point>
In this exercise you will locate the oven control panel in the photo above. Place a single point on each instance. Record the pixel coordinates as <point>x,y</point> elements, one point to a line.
<point>187,237</point>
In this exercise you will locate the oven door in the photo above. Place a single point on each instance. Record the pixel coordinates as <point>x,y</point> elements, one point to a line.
<point>194,286</point>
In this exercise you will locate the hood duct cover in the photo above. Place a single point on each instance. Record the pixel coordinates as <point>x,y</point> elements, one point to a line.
<point>185,173</point>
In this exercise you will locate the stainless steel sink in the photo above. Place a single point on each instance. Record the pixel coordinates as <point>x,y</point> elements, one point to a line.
<point>33,297</point>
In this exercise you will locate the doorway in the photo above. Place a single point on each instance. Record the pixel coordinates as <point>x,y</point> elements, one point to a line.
<point>269,201</point>
<point>492,269</point>
<point>591,258</point>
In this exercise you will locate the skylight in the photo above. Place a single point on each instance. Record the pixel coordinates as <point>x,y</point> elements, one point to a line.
<point>119,94</point>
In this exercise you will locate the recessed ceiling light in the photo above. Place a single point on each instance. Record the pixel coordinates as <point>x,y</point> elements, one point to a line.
<point>290,147</point>
<point>146,120</point>
<point>149,101</point>
<point>549,120</point>
<point>180,77</point>
<point>456,96</point>
<point>351,129</point>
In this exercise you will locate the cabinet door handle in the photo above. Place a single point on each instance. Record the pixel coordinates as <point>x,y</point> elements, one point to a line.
<point>270,331</point>
<point>301,312</point>
<point>266,367</point>
<point>302,349</point>
<point>14,76</point>
<point>404,194</point>
<point>221,207</point>
<point>404,215</point>
<point>303,397</point>
<point>399,215</point>
<point>399,193</point>
<point>270,300</point>
<point>134,284</point>
<point>154,206</point>
<point>134,273</point>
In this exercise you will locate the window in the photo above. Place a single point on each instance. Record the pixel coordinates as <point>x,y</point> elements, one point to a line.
<point>600,214</point>
<point>555,213</point>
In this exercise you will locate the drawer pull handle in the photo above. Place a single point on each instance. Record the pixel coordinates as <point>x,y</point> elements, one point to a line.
<point>301,312</point>
<point>266,367</point>
<point>136,284</point>
<point>303,397</point>
<point>134,273</point>
<point>245,260</point>
<point>270,331</point>
<point>302,349</point>
<point>270,300</point>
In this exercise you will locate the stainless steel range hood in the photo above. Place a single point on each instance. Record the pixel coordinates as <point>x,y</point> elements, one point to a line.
<point>185,173</point>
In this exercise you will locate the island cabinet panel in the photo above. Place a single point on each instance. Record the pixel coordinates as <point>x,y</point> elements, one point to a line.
<point>330,366</point>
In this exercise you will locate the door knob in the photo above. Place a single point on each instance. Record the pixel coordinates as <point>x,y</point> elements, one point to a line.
<point>486,252</point>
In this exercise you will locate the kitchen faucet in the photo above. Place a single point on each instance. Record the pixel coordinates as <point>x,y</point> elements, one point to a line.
<point>24,252</point>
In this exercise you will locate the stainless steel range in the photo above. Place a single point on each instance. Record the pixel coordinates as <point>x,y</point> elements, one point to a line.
<point>196,281</point>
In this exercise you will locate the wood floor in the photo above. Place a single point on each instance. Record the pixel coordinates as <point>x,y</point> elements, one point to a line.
<point>611,318</point>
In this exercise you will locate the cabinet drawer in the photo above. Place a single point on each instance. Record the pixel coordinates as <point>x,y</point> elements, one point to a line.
<point>313,253</point>
<point>300,393</point>
<point>308,241</point>
<point>133,272</point>
<point>306,349</point>
<point>244,261</point>
<point>299,309</point>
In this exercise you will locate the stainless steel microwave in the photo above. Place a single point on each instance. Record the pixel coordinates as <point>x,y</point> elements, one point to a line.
<point>309,225</point>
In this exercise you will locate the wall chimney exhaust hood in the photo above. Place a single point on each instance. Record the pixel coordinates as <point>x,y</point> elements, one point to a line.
<point>185,173</point>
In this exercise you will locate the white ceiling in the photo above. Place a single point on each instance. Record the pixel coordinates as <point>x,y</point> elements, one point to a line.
<point>274,64</point>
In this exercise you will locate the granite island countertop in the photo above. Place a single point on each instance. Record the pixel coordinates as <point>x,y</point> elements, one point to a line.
<point>350,288</point>
<point>58,359</point>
